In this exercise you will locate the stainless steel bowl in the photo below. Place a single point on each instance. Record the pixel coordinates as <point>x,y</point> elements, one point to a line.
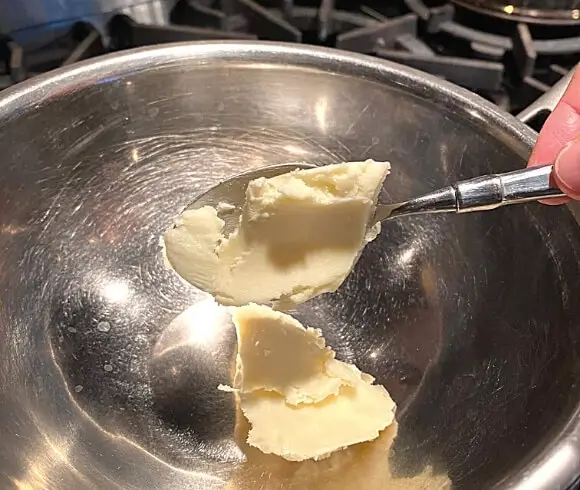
<point>470,321</point>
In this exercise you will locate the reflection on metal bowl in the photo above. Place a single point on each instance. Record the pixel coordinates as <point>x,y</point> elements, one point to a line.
<point>470,321</point>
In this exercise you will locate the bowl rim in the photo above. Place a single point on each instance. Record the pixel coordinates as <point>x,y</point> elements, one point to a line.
<point>39,88</point>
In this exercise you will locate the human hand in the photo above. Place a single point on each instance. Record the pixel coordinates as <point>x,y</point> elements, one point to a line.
<point>559,142</point>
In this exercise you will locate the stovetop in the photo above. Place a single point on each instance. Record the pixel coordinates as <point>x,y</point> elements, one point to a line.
<point>509,63</point>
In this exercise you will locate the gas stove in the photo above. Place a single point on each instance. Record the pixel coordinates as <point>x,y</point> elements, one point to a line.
<point>510,53</point>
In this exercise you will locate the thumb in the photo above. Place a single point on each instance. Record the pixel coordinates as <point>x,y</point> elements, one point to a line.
<point>567,169</point>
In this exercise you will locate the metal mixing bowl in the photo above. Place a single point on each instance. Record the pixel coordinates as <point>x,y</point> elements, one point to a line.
<point>470,321</point>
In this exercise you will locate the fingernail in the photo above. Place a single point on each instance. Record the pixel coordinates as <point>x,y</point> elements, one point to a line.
<point>567,169</point>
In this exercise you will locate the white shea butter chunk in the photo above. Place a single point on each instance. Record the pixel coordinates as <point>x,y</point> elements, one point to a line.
<point>190,246</point>
<point>299,236</point>
<point>300,401</point>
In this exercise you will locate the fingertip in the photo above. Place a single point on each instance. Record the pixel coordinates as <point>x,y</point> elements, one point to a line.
<point>562,126</point>
<point>556,201</point>
<point>566,172</point>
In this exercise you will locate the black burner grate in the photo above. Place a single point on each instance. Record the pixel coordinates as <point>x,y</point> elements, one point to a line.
<point>16,65</point>
<point>509,63</point>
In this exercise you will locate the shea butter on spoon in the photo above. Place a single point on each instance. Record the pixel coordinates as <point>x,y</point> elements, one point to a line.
<point>299,235</point>
<point>300,401</point>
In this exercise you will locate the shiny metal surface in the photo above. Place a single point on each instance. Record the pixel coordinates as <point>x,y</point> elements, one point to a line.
<point>232,192</point>
<point>109,362</point>
<point>483,193</point>
<point>546,103</point>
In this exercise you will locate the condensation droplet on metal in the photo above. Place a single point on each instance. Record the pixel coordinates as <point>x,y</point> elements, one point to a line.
<point>103,326</point>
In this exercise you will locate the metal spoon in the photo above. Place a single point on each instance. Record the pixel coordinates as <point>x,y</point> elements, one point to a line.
<point>477,194</point>
<point>228,196</point>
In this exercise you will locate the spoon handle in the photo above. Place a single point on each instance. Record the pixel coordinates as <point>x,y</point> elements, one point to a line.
<point>496,190</point>
<point>478,194</point>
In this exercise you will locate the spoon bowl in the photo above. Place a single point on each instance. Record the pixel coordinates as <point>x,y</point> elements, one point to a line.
<point>228,196</point>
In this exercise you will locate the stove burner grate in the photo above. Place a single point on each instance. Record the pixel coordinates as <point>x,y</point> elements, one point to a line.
<point>509,63</point>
